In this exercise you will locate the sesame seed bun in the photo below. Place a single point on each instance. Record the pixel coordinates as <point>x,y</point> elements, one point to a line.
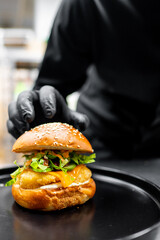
<point>53,136</point>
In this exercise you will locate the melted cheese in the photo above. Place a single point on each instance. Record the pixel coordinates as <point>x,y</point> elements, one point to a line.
<point>68,178</point>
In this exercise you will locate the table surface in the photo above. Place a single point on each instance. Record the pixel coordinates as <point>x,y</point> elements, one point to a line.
<point>148,169</point>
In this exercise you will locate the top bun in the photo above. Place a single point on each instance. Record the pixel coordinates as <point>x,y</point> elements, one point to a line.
<point>53,136</point>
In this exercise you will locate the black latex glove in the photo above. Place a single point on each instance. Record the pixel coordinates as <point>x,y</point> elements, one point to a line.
<point>41,106</point>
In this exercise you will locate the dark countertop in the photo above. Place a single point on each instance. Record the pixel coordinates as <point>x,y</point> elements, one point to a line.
<point>148,169</point>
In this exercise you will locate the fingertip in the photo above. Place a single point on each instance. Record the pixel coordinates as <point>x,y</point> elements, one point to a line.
<point>28,117</point>
<point>25,106</point>
<point>48,101</point>
<point>48,112</point>
<point>79,121</point>
<point>12,129</point>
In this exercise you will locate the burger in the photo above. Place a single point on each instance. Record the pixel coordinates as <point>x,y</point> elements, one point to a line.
<point>54,175</point>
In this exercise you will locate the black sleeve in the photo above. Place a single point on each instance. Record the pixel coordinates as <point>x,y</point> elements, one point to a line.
<point>68,53</point>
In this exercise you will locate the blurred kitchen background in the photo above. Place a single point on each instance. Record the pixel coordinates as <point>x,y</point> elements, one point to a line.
<point>24,30</point>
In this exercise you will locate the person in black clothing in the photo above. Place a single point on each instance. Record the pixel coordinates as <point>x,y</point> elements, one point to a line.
<point>110,52</point>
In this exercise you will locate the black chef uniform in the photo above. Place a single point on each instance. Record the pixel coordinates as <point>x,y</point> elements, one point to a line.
<point>110,52</point>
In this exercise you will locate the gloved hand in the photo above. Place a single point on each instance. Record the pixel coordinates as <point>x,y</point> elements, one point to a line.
<point>41,106</point>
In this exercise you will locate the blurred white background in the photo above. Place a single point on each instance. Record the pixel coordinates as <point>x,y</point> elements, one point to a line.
<point>24,30</point>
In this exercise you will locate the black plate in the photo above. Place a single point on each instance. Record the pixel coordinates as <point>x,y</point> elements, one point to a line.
<point>124,207</point>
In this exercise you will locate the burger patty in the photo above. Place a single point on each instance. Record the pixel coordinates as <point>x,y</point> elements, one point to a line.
<point>29,179</point>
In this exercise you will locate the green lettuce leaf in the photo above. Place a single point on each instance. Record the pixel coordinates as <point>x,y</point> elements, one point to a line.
<point>62,164</point>
<point>16,172</point>
<point>70,167</point>
<point>14,175</point>
<point>9,183</point>
<point>37,163</point>
<point>82,159</point>
<point>28,156</point>
<point>60,168</point>
<point>40,170</point>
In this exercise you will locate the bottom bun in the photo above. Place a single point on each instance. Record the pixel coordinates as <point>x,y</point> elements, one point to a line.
<point>51,199</point>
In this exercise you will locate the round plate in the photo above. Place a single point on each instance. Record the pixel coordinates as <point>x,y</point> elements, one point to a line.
<point>124,207</point>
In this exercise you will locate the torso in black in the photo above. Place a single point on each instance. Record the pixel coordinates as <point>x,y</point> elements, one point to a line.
<point>112,50</point>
